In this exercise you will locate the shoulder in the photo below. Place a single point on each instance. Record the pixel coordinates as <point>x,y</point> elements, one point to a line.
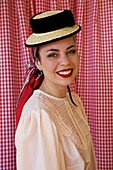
<point>76,98</point>
<point>79,103</point>
<point>31,105</point>
<point>32,113</point>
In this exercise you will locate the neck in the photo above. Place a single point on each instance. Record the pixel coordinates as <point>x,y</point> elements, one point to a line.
<point>55,91</point>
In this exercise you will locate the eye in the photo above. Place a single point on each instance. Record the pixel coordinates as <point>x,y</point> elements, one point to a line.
<point>52,55</point>
<point>73,51</point>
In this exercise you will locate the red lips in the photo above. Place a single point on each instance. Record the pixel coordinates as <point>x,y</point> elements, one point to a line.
<point>65,73</point>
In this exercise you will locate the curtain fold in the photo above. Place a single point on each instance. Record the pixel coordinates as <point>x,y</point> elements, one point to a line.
<point>94,82</point>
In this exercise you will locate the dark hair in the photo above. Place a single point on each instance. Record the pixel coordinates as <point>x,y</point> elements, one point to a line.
<point>37,53</point>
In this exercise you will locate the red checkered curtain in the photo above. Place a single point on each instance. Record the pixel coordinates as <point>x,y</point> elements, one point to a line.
<point>94,83</point>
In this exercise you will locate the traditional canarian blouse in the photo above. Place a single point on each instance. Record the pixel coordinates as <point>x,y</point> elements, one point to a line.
<point>53,134</point>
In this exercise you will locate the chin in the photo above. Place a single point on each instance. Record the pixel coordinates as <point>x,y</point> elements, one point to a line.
<point>67,83</point>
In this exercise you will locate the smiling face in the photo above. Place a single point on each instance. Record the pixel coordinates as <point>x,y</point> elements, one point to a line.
<point>59,62</point>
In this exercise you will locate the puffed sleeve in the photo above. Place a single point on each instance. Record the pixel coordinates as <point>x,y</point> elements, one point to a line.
<point>37,143</point>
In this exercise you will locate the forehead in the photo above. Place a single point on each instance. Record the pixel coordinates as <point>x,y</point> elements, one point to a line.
<point>59,44</point>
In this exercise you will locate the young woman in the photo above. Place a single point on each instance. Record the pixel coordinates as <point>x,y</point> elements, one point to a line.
<point>53,132</point>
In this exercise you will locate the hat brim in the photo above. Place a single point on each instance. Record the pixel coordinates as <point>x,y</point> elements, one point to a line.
<point>36,39</point>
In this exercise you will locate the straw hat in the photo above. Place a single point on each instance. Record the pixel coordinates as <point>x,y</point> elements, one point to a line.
<point>51,26</point>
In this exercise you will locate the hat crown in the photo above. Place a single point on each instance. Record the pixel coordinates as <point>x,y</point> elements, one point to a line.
<point>50,26</point>
<point>51,21</point>
<point>47,14</point>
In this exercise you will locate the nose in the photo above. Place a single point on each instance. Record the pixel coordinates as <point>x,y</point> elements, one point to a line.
<point>64,59</point>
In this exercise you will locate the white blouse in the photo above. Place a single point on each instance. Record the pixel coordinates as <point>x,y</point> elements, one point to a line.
<point>40,145</point>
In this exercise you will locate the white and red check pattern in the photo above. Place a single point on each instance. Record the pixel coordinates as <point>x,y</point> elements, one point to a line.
<point>94,83</point>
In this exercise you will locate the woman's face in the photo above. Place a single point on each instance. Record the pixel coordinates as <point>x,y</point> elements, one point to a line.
<point>59,62</point>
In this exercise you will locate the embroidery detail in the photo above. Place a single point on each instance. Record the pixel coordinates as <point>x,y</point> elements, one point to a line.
<point>69,119</point>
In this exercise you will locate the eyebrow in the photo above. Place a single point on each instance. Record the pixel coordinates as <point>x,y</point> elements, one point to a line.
<point>52,49</point>
<point>70,47</point>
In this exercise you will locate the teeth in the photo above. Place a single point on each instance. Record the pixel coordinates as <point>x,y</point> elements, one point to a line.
<point>65,72</point>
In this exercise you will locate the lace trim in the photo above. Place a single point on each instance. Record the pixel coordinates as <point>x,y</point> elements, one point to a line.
<point>68,119</point>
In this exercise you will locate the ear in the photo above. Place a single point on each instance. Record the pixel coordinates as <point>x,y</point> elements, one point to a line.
<point>38,64</point>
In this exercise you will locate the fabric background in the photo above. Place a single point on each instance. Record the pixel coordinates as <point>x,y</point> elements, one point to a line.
<point>94,83</point>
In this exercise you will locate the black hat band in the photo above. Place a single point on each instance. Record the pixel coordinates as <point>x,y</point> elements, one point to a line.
<point>60,20</point>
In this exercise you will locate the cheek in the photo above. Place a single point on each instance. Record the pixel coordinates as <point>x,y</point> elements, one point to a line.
<point>48,67</point>
<point>76,61</point>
